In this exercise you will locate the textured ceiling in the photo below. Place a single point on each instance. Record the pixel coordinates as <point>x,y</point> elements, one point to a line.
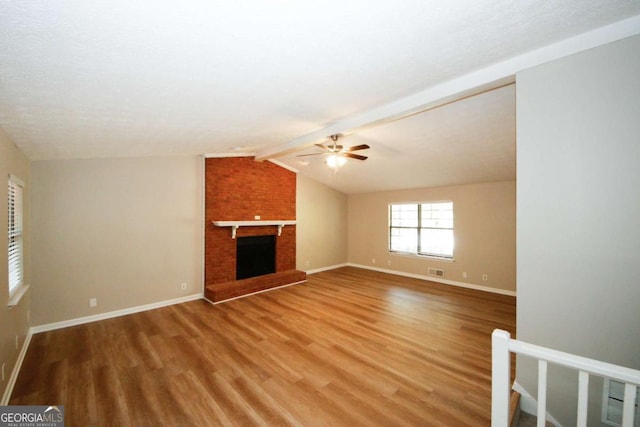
<point>86,79</point>
<point>472,140</point>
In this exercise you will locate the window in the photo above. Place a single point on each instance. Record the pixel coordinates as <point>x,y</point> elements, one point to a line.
<point>14,202</point>
<point>422,229</point>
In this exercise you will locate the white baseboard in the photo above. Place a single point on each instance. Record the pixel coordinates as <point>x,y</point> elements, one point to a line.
<point>16,370</point>
<point>530,405</point>
<point>330,267</point>
<point>437,279</point>
<point>111,314</point>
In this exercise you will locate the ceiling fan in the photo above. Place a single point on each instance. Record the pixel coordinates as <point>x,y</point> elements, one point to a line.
<point>337,153</point>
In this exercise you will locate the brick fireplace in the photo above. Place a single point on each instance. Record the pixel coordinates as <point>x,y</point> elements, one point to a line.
<point>241,189</point>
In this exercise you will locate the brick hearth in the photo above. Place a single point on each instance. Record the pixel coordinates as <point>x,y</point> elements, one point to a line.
<point>236,288</point>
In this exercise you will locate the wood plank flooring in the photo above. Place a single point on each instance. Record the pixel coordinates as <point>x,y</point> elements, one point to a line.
<point>349,347</point>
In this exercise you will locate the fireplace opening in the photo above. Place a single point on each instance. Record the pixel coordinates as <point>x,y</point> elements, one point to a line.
<point>255,256</point>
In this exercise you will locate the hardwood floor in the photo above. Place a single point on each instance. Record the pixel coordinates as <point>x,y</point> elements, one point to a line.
<point>349,347</point>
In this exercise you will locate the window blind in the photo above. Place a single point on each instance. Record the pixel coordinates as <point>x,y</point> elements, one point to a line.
<point>15,205</point>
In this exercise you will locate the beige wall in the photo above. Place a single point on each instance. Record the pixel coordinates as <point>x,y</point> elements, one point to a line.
<point>484,228</point>
<point>578,216</point>
<point>321,228</point>
<point>125,231</point>
<point>14,321</point>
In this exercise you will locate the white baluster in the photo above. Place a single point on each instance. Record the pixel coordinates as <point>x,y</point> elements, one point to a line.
<point>629,405</point>
<point>542,392</point>
<point>583,398</point>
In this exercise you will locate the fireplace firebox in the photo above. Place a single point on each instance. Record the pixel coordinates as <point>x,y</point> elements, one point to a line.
<point>255,256</point>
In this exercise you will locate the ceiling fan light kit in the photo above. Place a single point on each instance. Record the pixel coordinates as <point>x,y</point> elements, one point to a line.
<point>335,161</point>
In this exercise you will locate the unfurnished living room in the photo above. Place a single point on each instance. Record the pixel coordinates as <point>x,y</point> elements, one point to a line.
<point>318,213</point>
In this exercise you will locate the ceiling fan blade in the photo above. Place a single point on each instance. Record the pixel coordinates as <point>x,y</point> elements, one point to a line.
<point>324,147</point>
<point>355,156</point>
<point>358,147</point>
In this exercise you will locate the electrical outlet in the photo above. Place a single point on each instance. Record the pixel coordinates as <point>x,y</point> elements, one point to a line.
<point>17,342</point>
<point>388,262</point>
<point>373,260</point>
<point>464,274</point>
<point>183,286</point>
<point>308,263</point>
<point>93,302</point>
<point>485,277</point>
<point>257,217</point>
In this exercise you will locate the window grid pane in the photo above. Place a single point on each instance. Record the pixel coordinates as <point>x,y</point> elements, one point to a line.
<point>437,215</point>
<point>404,215</point>
<point>438,242</point>
<point>404,240</point>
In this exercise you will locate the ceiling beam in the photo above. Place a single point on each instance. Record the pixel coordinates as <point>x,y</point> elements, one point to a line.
<point>492,77</point>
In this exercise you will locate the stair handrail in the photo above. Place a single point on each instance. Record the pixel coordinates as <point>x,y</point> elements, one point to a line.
<point>501,347</point>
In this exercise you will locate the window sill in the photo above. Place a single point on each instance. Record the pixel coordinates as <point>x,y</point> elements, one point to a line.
<point>429,257</point>
<point>17,295</point>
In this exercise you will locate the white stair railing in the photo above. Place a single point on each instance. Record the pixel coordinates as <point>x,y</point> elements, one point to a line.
<point>502,345</point>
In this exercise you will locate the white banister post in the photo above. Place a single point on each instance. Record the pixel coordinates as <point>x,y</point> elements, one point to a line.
<point>500,376</point>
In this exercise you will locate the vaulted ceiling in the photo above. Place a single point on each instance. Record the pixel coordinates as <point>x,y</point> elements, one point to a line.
<point>428,85</point>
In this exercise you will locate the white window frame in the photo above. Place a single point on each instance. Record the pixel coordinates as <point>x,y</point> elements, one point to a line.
<point>419,228</point>
<point>15,239</point>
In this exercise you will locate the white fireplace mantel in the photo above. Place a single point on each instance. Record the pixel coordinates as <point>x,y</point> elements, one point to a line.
<point>235,224</point>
